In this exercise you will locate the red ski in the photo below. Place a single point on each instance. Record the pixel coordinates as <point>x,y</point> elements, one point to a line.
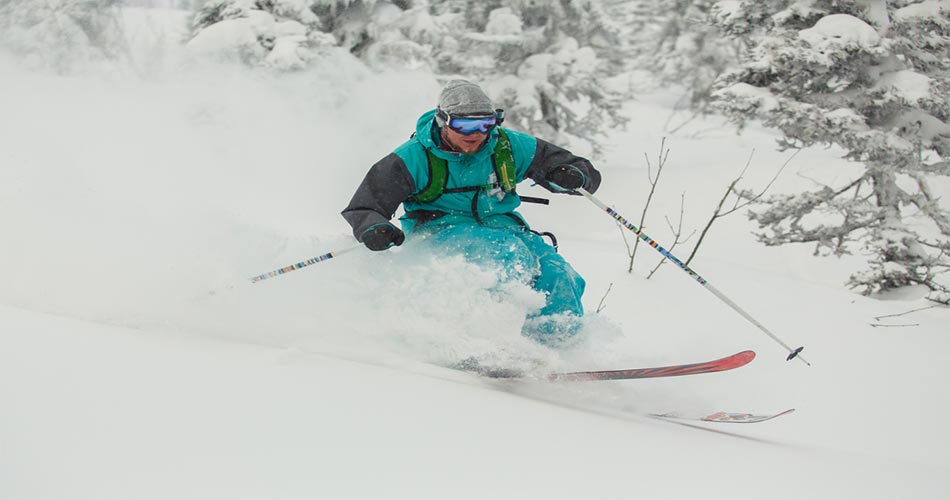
<point>728,363</point>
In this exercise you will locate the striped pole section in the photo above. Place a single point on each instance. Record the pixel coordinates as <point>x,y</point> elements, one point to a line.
<point>793,353</point>
<point>299,265</point>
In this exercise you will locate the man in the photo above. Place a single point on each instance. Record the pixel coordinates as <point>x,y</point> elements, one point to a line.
<point>456,179</point>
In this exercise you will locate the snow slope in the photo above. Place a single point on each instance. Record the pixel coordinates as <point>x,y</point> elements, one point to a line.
<point>109,412</point>
<point>137,361</point>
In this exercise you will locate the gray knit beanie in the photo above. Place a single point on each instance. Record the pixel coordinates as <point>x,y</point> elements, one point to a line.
<point>464,98</point>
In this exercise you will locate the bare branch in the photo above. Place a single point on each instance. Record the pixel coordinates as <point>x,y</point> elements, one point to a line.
<point>676,234</point>
<point>677,128</point>
<point>661,159</point>
<point>879,318</point>
<point>752,199</point>
<point>601,306</point>
<point>623,234</point>
<point>718,213</point>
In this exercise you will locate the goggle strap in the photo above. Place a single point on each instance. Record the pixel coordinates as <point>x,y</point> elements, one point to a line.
<point>447,118</point>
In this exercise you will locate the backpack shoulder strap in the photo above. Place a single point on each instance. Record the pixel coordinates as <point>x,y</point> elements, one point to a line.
<point>438,178</point>
<point>503,160</point>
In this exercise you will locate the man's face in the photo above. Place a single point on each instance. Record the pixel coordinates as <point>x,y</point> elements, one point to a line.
<point>466,144</point>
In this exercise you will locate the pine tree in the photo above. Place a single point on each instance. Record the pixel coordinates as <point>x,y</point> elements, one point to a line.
<point>871,77</point>
<point>682,46</point>
<point>546,63</point>
<point>64,35</point>
<point>282,34</point>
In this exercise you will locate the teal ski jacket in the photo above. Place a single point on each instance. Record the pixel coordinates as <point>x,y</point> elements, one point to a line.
<point>406,171</point>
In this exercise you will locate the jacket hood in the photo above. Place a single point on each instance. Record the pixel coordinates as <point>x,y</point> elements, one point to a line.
<point>427,131</point>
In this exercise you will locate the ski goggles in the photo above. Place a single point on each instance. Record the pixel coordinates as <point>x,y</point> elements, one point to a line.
<point>468,125</point>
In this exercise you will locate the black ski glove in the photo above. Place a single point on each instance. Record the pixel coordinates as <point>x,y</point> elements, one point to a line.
<point>382,236</point>
<point>568,177</point>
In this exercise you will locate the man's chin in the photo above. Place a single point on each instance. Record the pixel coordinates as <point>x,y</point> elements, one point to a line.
<point>466,147</point>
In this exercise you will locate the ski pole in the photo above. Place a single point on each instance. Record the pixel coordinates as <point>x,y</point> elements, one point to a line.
<point>793,353</point>
<point>308,262</point>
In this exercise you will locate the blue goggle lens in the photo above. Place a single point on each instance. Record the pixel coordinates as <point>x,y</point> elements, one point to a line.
<point>467,126</point>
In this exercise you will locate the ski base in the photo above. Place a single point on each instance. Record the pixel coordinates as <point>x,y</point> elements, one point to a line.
<point>726,417</point>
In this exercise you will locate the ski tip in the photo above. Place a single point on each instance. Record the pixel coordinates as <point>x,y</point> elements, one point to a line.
<point>723,417</point>
<point>744,357</point>
<point>735,361</point>
<point>742,418</point>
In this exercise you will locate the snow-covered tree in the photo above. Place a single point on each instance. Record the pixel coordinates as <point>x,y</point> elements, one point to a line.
<point>872,77</point>
<point>63,35</point>
<point>546,63</point>
<point>282,34</point>
<point>681,44</point>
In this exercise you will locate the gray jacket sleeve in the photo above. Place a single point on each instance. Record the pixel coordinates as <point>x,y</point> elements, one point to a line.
<point>548,156</point>
<point>386,185</point>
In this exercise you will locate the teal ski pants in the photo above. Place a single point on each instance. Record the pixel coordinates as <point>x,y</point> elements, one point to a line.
<point>524,256</point>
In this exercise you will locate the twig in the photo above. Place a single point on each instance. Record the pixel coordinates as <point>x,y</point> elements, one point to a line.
<point>878,318</point>
<point>666,126</point>
<point>939,301</point>
<point>600,305</point>
<point>878,325</point>
<point>749,199</point>
<point>663,155</point>
<point>676,234</point>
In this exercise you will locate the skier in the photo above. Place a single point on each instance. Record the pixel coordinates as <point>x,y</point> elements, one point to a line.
<point>456,179</point>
